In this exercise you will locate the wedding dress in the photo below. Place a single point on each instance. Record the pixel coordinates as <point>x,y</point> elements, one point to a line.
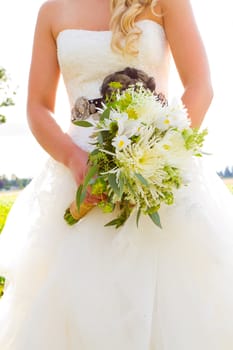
<point>91,287</point>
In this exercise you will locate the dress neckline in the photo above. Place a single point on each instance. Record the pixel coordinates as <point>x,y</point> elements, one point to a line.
<point>150,21</point>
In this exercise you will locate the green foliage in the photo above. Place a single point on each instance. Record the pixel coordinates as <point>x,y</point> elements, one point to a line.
<point>115,85</point>
<point>155,218</point>
<point>6,93</point>
<point>6,202</point>
<point>82,123</point>
<point>99,186</point>
<point>194,139</point>
<point>2,285</point>
<point>69,218</point>
<point>2,119</point>
<point>125,212</point>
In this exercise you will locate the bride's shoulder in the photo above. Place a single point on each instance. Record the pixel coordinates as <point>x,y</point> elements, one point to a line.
<point>50,14</point>
<point>49,6</point>
<point>59,14</point>
<point>178,4</point>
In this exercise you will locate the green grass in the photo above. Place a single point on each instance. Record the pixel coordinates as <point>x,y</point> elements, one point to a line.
<point>230,188</point>
<point>6,201</point>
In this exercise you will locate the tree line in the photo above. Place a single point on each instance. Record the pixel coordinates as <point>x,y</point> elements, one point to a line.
<point>13,183</point>
<point>226,173</point>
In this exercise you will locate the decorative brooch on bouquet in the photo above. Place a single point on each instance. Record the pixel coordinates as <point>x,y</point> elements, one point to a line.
<point>142,148</point>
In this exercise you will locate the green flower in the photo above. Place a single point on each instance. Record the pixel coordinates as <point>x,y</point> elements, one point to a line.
<point>106,207</point>
<point>98,187</point>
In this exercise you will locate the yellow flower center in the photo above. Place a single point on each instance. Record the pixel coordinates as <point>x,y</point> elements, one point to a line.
<point>132,114</point>
<point>121,143</point>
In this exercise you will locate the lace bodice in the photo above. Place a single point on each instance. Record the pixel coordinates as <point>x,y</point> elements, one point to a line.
<point>85,58</point>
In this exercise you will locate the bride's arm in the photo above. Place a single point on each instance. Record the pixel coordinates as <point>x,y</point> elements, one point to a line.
<point>43,81</point>
<point>189,56</point>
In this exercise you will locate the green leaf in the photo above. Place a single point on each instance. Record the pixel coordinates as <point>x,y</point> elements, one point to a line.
<point>142,179</point>
<point>119,221</point>
<point>94,152</point>
<point>2,118</point>
<point>128,184</point>
<point>79,196</point>
<point>2,280</point>
<point>82,123</point>
<point>155,218</point>
<point>115,85</point>
<point>113,183</point>
<point>121,184</point>
<point>91,172</point>
<point>116,222</point>
<point>138,216</point>
<point>105,114</point>
<point>100,138</point>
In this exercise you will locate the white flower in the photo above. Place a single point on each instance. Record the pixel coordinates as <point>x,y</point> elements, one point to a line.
<point>148,109</point>
<point>120,142</point>
<point>173,116</point>
<point>172,147</point>
<point>177,114</point>
<point>129,128</point>
<point>143,158</point>
<point>118,116</point>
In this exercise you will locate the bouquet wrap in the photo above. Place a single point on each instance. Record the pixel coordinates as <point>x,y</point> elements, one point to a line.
<point>79,213</point>
<point>73,214</point>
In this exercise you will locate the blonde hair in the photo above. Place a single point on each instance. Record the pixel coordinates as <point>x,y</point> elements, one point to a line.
<point>125,33</point>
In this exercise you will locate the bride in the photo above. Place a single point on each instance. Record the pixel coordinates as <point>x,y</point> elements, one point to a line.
<point>92,287</point>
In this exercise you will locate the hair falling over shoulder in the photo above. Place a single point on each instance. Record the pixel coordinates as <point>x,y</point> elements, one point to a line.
<point>125,33</point>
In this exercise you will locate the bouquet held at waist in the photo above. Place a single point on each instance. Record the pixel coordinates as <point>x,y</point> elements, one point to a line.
<point>142,150</point>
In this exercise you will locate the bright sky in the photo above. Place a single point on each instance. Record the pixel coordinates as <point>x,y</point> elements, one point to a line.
<point>19,152</point>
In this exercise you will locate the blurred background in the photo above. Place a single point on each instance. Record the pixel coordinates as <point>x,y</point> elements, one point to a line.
<point>20,155</point>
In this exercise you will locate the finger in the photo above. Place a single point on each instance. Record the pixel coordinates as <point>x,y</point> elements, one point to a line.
<point>91,199</point>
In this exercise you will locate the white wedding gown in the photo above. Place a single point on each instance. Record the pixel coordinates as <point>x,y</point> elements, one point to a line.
<point>90,287</point>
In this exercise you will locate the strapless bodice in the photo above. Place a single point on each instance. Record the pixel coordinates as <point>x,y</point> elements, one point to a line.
<point>85,58</point>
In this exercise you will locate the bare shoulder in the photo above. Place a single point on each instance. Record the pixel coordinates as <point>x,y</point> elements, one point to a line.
<point>50,8</point>
<point>163,3</point>
<point>178,19</point>
<point>171,4</point>
<point>63,14</point>
<point>50,14</point>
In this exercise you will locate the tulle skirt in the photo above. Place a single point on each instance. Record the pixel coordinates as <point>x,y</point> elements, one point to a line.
<point>90,287</point>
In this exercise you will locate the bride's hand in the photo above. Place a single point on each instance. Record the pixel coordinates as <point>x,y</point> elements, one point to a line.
<point>79,167</point>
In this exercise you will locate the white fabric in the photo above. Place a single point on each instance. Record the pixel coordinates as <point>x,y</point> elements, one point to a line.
<point>90,287</point>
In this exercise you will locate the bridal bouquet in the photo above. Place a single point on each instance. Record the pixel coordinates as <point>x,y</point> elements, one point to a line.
<point>142,149</point>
